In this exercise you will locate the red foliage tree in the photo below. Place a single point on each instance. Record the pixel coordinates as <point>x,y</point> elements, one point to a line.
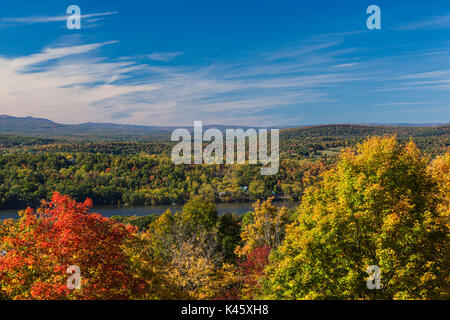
<point>252,268</point>
<point>249,272</point>
<point>41,245</point>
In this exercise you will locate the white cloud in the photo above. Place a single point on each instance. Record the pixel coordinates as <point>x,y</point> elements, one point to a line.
<point>28,20</point>
<point>62,91</point>
<point>164,56</point>
<point>388,104</point>
<point>345,65</point>
<point>420,81</point>
<point>428,74</point>
<point>438,22</point>
<point>72,84</point>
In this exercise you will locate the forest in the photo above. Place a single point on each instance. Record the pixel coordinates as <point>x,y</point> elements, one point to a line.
<point>141,173</point>
<point>381,200</point>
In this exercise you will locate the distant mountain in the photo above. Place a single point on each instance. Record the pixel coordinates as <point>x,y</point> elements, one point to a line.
<point>26,124</point>
<point>30,126</point>
<point>38,127</point>
<point>44,127</point>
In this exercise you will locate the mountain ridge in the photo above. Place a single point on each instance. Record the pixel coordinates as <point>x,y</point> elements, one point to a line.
<point>42,127</point>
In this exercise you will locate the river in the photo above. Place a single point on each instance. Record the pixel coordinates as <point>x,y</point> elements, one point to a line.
<point>109,211</point>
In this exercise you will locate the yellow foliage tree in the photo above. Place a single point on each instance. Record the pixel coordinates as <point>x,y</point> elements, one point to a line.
<point>266,228</point>
<point>381,205</point>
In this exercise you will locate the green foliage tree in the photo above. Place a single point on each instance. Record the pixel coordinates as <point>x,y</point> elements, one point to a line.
<point>228,229</point>
<point>201,211</point>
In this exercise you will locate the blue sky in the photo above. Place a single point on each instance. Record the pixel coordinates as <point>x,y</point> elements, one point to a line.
<point>226,62</point>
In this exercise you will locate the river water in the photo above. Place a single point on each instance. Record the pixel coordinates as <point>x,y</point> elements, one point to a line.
<point>236,207</point>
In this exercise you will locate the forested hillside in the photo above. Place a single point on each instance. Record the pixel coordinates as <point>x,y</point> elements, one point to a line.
<point>141,173</point>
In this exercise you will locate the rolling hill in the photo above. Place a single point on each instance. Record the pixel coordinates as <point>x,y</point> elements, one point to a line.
<point>44,128</point>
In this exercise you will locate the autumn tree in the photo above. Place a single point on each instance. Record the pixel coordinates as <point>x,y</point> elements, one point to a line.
<point>42,244</point>
<point>439,169</point>
<point>262,230</point>
<point>381,205</point>
<point>266,228</point>
<point>228,231</point>
<point>200,211</point>
<point>185,252</point>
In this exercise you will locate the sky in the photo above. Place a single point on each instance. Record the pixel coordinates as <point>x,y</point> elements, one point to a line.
<point>253,63</point>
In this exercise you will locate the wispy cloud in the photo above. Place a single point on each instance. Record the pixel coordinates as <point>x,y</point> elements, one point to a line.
<point>164,56</point>
<point>66,86</point>
<point>393,104</point>
<point>428,74</point>
<point>29,20</point>
<point>437,22</point>
<point>345,65</point>
<point>73,84</point>
<point>78,84</point>
<point>436,80</point>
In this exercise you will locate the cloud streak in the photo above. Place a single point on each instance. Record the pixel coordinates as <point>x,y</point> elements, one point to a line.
<point>437,22</point>
<point>164,56</point>
<point>30,20</point>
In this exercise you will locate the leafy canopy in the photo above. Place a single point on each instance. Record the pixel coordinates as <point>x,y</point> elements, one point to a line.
<point>381,205</point>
